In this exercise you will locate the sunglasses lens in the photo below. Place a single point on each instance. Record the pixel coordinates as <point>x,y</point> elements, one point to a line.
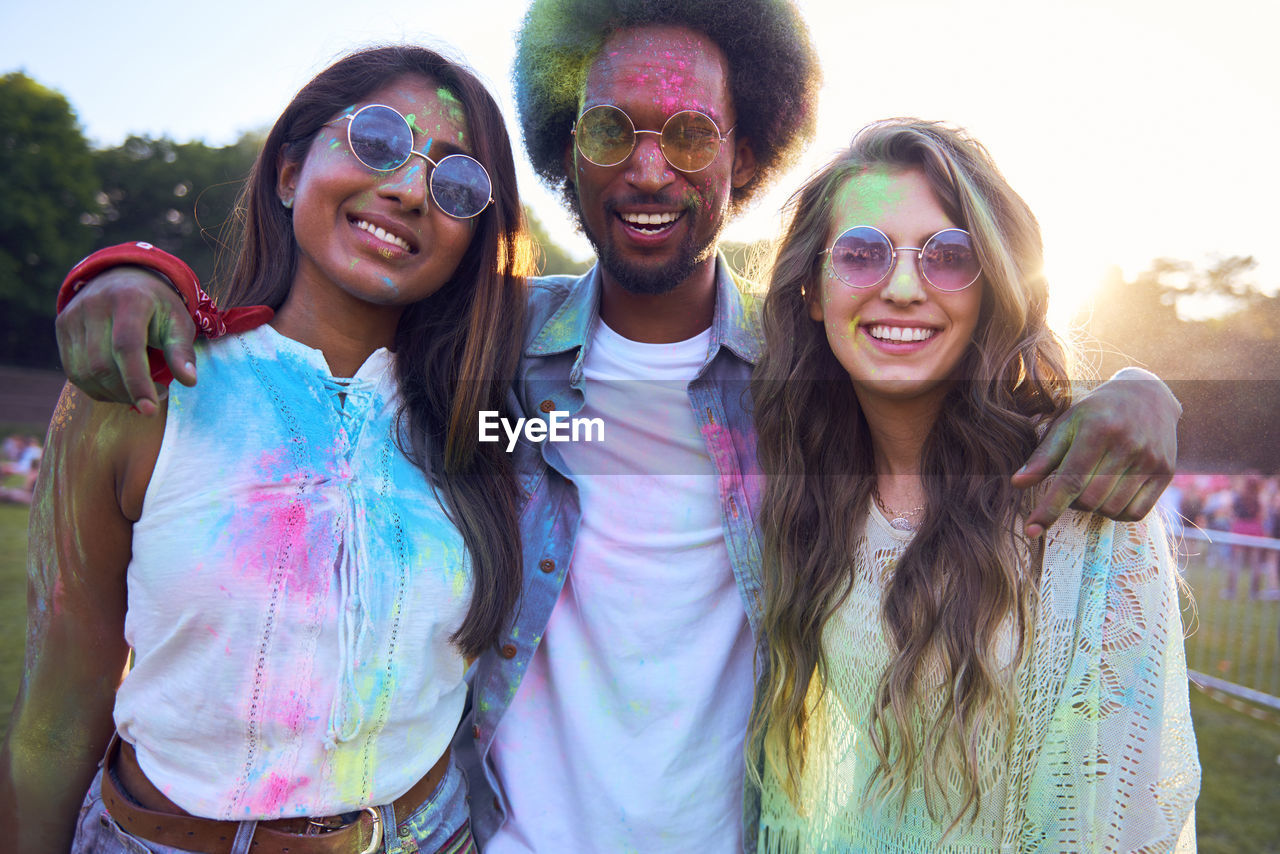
<point>460,186</point>
<point>861,257</point>
<point>380,138</point>
<point>605,135</point>
<point>949,261</point>
<point>690,141</point>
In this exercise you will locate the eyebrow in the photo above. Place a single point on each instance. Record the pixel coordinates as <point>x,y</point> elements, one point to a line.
<point>438,149</point>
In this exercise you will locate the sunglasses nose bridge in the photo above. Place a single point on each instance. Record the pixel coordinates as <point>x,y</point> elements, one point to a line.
<point>905,282</point>
<point>647,165</point>
<point>403,182</point>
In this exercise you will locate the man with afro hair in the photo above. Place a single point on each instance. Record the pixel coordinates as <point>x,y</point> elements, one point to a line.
<point>614,720</point>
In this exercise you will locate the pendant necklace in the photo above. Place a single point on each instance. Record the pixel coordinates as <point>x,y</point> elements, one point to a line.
<point>899,521</point>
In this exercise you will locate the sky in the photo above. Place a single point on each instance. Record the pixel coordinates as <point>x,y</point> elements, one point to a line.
<point>1134,129</point>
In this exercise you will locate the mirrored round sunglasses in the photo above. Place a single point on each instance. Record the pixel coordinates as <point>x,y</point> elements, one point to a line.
<point>863,256</point>
<point>381,138</point>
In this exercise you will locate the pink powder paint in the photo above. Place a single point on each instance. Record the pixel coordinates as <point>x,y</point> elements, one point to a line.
<point>277,790</point>
<point>59,594</point>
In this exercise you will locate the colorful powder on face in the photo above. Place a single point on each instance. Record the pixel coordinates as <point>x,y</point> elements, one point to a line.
<point>451,102</point>
<point>870,196</point>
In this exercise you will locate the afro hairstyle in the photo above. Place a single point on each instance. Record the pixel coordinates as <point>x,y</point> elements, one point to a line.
<point>773,73</point>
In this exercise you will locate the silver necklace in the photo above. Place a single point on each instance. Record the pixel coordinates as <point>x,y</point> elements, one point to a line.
<point>899,521</point>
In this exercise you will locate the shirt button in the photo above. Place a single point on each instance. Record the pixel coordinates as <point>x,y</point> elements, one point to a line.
<point>547,406</point>
<point>547,565</point>
<point>475,730</point>
<point>508,650</point>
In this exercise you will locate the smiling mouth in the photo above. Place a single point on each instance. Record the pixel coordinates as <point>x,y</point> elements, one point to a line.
<point>384,235</point>
<point>904,334</point>
<point>651,223</point>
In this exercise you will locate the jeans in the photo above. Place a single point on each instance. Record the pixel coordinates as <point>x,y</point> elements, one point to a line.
<point>437,821</point>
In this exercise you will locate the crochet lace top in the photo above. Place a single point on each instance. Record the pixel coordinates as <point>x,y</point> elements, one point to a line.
<point>1102,756</point>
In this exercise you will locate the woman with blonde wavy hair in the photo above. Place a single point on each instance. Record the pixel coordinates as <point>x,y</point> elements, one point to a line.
<point>937,680</point>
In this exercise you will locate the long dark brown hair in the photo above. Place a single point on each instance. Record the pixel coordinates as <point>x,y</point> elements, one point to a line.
<point>457,350</point>
<point>968,571</point>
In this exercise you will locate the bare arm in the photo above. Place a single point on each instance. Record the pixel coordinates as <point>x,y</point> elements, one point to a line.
<point>1113,452</point>
<point>104,331</point>
<point>95,471</point>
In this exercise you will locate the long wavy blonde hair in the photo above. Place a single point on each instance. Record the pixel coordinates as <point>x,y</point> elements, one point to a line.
<point>968,572</point>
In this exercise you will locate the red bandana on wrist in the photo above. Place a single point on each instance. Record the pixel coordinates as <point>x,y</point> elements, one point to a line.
<point>210,321</point>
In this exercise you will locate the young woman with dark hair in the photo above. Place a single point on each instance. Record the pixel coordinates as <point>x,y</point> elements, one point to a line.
<point>938,681</point>
<point>304,551</point>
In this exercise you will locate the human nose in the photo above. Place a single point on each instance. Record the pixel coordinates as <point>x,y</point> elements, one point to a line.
<point>647,167</point>
<point>904,285</point>
<point>408,184</point>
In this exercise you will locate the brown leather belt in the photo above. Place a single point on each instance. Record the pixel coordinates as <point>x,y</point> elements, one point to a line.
<point>282,835</point>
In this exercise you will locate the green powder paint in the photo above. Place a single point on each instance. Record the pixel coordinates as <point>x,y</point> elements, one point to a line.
<point>561,41</point>
<point>873,193</point>
<point>452,107</point>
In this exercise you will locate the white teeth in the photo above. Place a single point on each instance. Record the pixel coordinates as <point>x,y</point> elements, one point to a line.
<point>383,235</point>
<point>650,219</point>
<point>901,333</point>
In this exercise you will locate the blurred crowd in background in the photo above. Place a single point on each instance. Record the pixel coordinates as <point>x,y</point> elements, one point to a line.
<point>1247,505</point>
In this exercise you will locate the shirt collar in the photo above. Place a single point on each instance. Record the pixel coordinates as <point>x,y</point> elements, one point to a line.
<point>734,326</point>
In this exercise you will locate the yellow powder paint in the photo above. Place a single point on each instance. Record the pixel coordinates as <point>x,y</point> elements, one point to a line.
<point>66,406</point>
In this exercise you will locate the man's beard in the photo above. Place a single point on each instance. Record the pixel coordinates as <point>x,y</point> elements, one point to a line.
<point>646,279</point>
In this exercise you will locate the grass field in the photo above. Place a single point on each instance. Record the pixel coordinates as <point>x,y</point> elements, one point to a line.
<point>1238,808</point>
<point>1236,639</point>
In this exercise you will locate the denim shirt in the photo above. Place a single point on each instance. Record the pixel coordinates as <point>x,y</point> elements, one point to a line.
<point>563,311</point>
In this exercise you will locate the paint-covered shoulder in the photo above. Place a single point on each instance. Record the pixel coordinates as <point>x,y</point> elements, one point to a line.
<point>547,296</point>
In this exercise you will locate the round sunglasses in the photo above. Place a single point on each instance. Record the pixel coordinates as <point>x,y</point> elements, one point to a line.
<point>689,140</point>
<point>864,256</point>
<point>380,137</point>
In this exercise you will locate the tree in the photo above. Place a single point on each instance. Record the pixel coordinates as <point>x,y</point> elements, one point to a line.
<point>555,260</point>
<point>179,196</point>
<point>1211,333</point>
<point>48,186</point>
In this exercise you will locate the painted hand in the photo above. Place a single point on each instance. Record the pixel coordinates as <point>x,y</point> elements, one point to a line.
<point>104,332</point>
<point>1113,452</point>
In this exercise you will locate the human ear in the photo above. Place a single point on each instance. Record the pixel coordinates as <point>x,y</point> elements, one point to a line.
<point>287,175</point>
<point>744,163</point>
<point>813,297</point>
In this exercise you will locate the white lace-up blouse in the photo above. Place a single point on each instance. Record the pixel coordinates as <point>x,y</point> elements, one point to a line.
<point>293,587</point>
<point>1102,758</point>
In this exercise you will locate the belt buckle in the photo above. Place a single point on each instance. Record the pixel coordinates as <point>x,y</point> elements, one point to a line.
<point>328,824</point>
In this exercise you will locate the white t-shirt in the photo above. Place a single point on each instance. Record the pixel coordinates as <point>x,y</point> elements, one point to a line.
<point>627,731</point>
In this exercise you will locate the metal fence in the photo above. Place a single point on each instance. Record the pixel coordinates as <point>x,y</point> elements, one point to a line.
<point>1234,646</point>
